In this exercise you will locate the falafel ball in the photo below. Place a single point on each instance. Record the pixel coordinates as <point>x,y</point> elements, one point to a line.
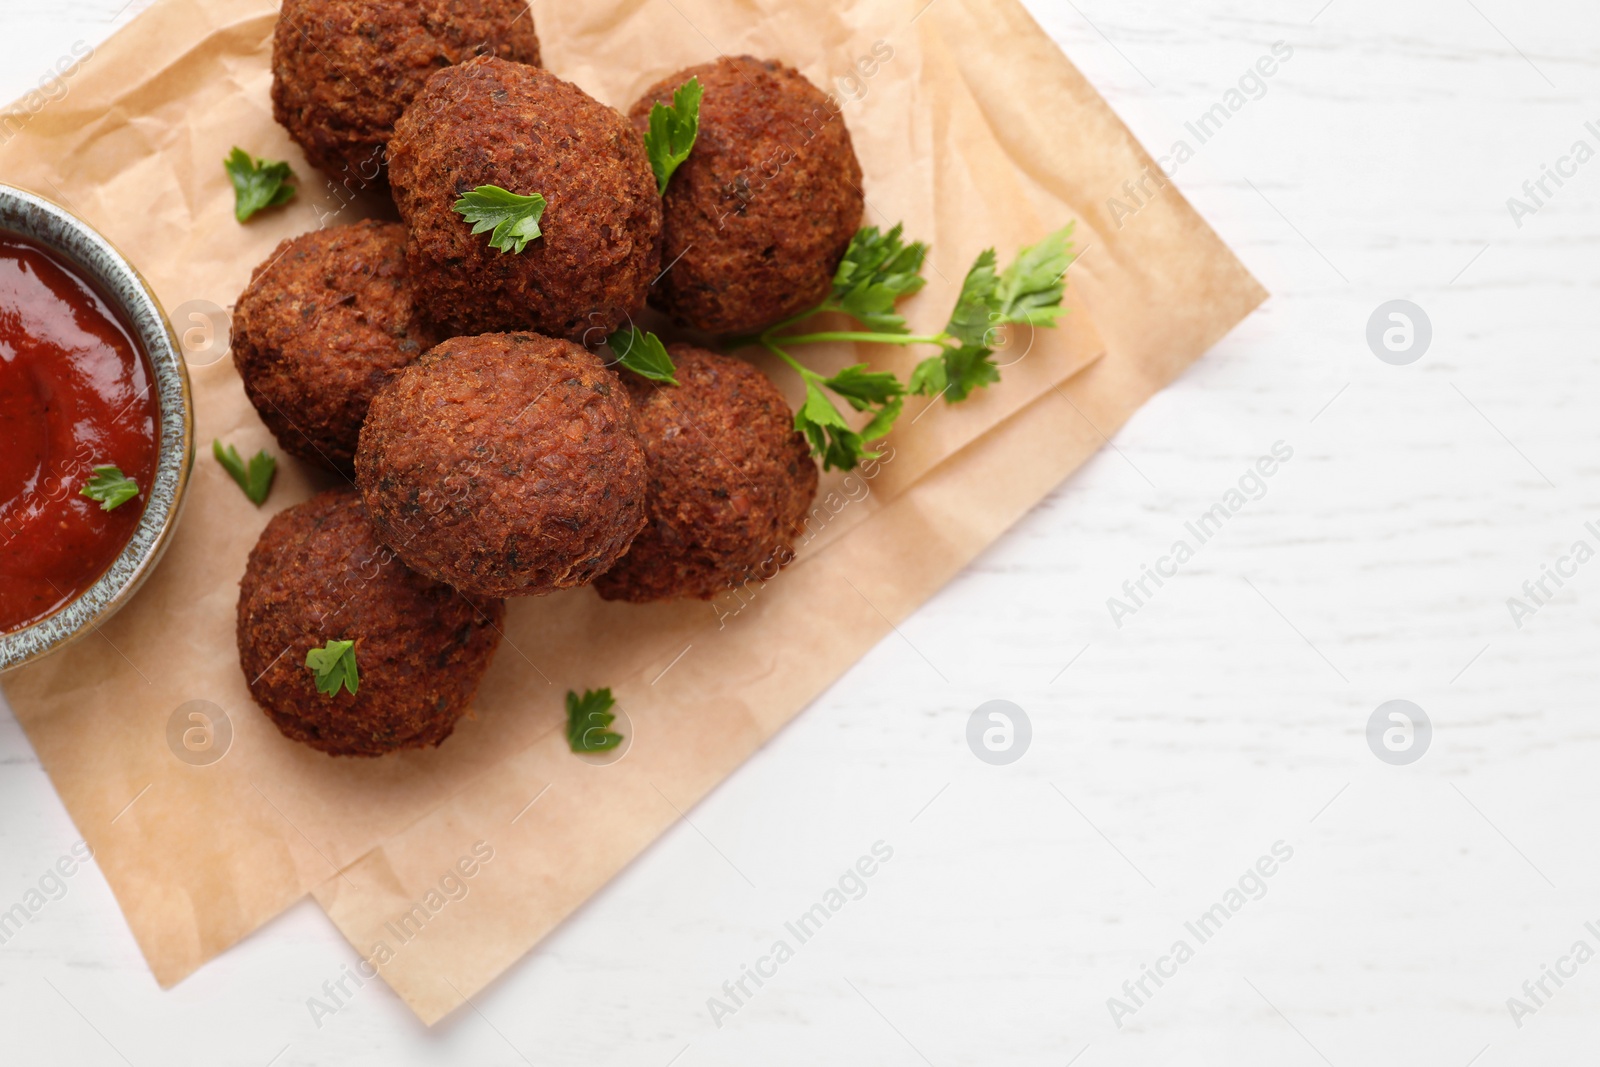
<point>759,216</point>
<point>490,122</point>
<point>505,465</point>
<point>320,574</point>
<point>731,481</point>
<point>323,325</point>
<point>343,71</point>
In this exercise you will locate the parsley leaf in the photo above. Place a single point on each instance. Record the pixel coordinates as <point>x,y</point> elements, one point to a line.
<point>930,378</point>
<point>863,388</point>
<point>958,373</point>
<point>673,132</point>
<point>514,219</point>
<point>588,720</point>
<point>110,487</point>
<point>831,437</point>
<point>1031,289</point>
<point>1028,293</point>
<point>644,354</point>
<point>257,183</point>
<point>818,411</point>
<point>972,319</point>
<point>882,423</point>
<point>256,479</point>
<point>968,369</point>
<point>334,666</point>
<point>878,269</point>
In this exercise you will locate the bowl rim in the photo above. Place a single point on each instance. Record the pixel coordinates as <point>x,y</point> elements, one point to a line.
<point>69,237</point>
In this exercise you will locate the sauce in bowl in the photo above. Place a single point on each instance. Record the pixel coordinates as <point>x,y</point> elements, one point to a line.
<point>75,394</point>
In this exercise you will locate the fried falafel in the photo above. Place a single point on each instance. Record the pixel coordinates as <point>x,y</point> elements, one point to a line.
<point>320,574</point>
<point>343,71</point>
<point>323,325</point>
<point>505,465</point>
<point>759,216</point>
<point>731,481</point>
<point>490,122</point>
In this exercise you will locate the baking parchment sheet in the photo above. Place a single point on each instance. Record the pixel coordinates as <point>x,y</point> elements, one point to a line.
<point>972,128</point>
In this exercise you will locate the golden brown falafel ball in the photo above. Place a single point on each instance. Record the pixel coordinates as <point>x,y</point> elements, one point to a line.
<point>326,321</point>
<point>506,465</point>
<point>319,574</point>
<point>489,122</point>
<point>344,70</point>
<point>759,216</point>
<point>730,481</point>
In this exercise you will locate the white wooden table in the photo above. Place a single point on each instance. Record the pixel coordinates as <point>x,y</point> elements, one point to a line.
<point>1227,715</point>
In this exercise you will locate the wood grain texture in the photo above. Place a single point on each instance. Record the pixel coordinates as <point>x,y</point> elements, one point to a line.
<point>1226,715</point>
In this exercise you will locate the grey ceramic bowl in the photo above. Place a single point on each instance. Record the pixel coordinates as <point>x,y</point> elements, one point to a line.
<point>93,256</point>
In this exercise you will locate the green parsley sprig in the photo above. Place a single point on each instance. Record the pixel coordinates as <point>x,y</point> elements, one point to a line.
<point>589,719</point>
<point>878,270</point>
<point>334,666</point>
<point>1028,293</point>
<point>255,478</point>
<point>831,437</point>
<point>257,183</point>
<point>673,132</point>
<point>110,487</point>
<point>644,354</point>
<point>513,218</point>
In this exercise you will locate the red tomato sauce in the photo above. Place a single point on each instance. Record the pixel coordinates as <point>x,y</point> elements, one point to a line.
<point>75,393</point>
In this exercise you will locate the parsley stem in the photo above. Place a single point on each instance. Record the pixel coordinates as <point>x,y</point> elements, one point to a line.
<point>863,337</point>
<point>804,372</point>
<point>761,338</point>
<point>795,320</point>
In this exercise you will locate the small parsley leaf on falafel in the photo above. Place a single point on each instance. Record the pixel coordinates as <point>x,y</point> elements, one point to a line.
<point>257,183</point>
<point>334,666</point>
<point>644,354</point>
<point>673,131</point>
<point>110,487</point>
<point>255,478</point>
<point>589,719</point>
<point>513,218</point>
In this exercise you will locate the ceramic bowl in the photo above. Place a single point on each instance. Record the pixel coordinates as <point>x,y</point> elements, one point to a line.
<point>76,242</point>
